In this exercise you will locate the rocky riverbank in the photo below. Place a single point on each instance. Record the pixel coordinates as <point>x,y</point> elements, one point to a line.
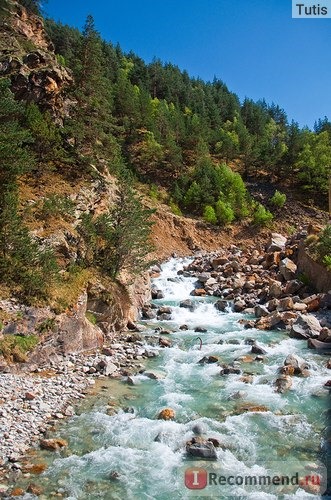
<point>33,400</point>
<point>261,282</point>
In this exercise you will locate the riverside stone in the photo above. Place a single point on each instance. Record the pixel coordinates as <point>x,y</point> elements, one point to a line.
<point>287,269</point>
<point>276,243</point>
<point>306,326</point>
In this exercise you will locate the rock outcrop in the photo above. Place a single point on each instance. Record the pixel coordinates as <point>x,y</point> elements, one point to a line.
<point>27,57</point>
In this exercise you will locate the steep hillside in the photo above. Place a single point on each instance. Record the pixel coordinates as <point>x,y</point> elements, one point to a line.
<point>80,124</point>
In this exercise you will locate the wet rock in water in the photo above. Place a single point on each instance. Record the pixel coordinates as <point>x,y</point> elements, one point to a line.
<point>200,447</point>
<point>183,327</point>
<point>148,313</point>
<point>114,475</point>
<point>157,294</point>
<point>198,429</point>
<point>164,317</point>
<point>155,375</point>
<point>221,305</point>
<point>164,342</point>
<point>245,359</point>
<point>200,329</point>
<point>239,306</point>
<point>287,370</point>
<point>306,326</point>
<point>198,292</point>
<point>208,360</point>
<point>164,310</point>
<point>130,381</point>
<point>328,364</point>
<point>249,341</point>
<point>165,332</point>
<point>238,395</point>
<point>283,383</point>
<point>250,407</point>
<point>229,370</point>
<point>257,349</point>
<point>187,304</point>
<point>247,323</point>
<point>34,489</point>
<point>166,414</point>
<point>298,363</point>
<point>287,269</point>
<point>247,379</point>
<point>53,444</point>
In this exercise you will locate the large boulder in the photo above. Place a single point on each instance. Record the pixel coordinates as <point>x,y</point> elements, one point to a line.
<point>298,364</point>
<point>287,269</point>
<point>276,243</point>
<point>269,322</point>
<point>200,447</point>
<point>187,304</point>
<point>283,383</point>
<point>305,327</point>
<point>221,305</point>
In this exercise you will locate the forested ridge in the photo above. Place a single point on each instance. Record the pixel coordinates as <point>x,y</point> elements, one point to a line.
<point>168,127</point>
<point>191,140</point>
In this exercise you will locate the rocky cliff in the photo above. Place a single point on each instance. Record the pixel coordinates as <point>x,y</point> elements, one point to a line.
<point>27,57</point>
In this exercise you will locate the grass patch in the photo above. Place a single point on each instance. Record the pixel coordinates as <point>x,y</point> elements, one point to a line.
<point>64,294</point>
<point>15,347</point>
<point>91,317</point>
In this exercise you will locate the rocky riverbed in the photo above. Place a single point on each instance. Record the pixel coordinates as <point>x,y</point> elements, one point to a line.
<point>260,282</point>
<point>32,401</point>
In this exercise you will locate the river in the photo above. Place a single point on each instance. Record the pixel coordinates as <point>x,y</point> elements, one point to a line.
<point>131,454</point>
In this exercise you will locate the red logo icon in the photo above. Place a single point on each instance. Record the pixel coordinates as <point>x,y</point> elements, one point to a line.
<point>196,479</point>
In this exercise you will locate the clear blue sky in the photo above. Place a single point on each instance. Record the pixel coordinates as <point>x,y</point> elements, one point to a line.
<point>254,46</point>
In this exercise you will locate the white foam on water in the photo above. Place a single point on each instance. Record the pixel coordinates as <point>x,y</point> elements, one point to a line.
<point>147,452</point>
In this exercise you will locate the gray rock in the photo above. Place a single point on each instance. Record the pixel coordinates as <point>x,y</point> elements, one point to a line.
<point>306,326</point>
<point>221,305</point>
<point>287,269</point>
<point>201,448</point>
<point>187,304</point>
<point>260,311</point>
<point>276,243</point>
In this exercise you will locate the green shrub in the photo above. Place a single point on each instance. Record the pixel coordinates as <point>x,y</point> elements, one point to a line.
<point>154,192</point>
<point>278,200</point>
<point>209,214</point>
<point>61,60</point>
<point>57,206</point>
<point>262,216</point>
<point>224,212</point>
<point>15,347</point>
<point>311,239</point>
<point>324,244</point>
<point>175,208</point>
<point>327,262</point>
<point>91,317</point>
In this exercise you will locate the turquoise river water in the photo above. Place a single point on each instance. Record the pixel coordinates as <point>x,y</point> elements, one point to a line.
<point>117,456</point>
